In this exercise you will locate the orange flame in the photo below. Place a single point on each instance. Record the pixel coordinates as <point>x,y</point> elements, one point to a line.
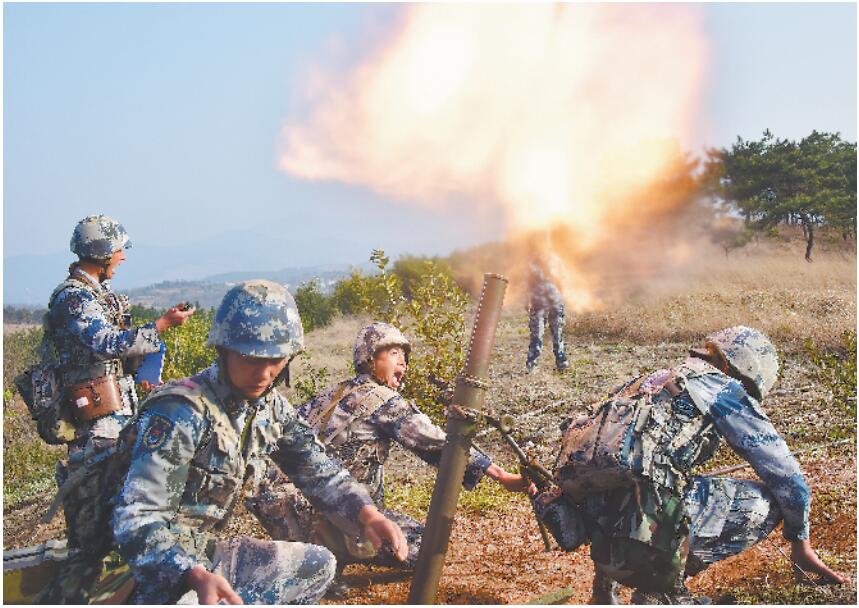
<point>553,115</point>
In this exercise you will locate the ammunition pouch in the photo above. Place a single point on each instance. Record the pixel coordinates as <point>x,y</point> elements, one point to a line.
<point>95,398</point>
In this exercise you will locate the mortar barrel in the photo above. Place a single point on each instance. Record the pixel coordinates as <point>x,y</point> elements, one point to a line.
<point>469,394</point>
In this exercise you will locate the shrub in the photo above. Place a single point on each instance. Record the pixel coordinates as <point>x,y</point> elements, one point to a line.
<point>311,381</point>
<point>434,318</point>
<point>315,308</point>
<point>347,297</point>
<point>19,353</point>
<point>836,370</point>
<point>187,352</point>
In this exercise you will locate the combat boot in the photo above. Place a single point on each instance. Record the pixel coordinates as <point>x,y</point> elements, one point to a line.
<point>604,590</point>
<point>562,364</point>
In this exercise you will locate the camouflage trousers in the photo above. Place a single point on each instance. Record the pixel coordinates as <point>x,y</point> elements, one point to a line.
<point>270,572</point>
<point>287,515</point>
<point>725,517</point>
<point>728,516</point>
<point>87,515</point>
<point>537,318</point>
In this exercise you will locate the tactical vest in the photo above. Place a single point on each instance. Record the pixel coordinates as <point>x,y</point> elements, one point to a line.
<point>339,430</point>
<point>226,458</point>
<point>75,360</point>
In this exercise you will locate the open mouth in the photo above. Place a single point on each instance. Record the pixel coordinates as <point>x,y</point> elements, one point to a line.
<point>398,377</point>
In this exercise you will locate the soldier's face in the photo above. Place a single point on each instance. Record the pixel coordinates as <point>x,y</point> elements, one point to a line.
<point>389,366</point>
<point>251,376</point>
<point>116,259</point>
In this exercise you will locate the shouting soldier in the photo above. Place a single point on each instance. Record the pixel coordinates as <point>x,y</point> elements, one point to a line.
<point>200,440</point>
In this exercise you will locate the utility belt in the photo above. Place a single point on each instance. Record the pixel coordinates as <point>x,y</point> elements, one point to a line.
<point>101,396</point>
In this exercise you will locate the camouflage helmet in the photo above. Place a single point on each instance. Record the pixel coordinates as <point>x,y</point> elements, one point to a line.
<point>259,319</point>
<point>751,355</point>
<point>374,337</point>
<point>97,237</point>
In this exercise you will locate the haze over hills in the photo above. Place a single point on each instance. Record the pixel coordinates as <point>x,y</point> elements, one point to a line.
<point>204,267</point>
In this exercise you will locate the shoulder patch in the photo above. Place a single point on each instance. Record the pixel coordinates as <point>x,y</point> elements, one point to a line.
<point>159,429</point>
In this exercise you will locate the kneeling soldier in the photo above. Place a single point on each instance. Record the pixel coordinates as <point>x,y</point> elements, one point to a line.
<point>626,484</point>
<point>358,420</point>
<point>201,439</point>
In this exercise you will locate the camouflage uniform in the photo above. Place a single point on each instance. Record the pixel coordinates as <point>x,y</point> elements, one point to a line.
<point>643,537</point>
<point>199,445</point>
<point>358,420</point>
<point>545,303</point>
<point>89,335</point>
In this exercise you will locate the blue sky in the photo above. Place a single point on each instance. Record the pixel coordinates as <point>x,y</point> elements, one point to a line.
<point>167,117</point>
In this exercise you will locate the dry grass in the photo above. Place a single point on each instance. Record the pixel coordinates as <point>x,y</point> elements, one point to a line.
<point>775,291</point>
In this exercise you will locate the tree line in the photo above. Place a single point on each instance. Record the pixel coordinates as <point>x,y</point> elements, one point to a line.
<point>809,183</point>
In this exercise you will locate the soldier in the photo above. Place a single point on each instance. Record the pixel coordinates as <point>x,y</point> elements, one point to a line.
<point>358,420</point>
<point>679,524</point>
<point>88,334</point>
<point>202,439</point>
<point>545,303</point>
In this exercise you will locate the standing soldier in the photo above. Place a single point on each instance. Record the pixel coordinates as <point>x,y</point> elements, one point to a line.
<point>200,440</point>
<point>545,303</point>
<point>626,483</point>
<point>358,420</point>
<point>89,337</point>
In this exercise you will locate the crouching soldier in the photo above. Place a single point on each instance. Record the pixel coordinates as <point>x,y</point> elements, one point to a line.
<point>201,439</point>
<point>626,484</point>
<point>358,420</point>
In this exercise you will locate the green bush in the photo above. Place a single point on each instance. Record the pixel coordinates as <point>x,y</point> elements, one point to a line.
<point>434,319</point>
<point>311,381</point>
<point>348,295</point>
<point>143,314</point>
<point>410,270</point>
<point>836,370</point>
<point>187,352</point>
<point>315,308</point>
<point>19,353</point>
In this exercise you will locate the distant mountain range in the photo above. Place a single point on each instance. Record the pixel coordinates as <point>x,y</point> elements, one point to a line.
<point>200,271</point>
<point>208,292</point>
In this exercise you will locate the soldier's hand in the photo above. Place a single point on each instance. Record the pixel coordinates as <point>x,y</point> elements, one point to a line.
<point>173,317</point>
<point>380,530</point>
<point>211,588</point>
<point>804,556</point>
<point>509,481</point>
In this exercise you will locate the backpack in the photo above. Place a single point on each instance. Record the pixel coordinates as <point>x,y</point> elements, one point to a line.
<point>41,389</point>
<point>633,456</point>
<point>636,435</point>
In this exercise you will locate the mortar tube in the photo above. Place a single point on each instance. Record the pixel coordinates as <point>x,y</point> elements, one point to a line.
<point>469,394</point>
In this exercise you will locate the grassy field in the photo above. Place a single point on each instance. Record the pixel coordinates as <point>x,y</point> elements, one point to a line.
<point>495,554</point>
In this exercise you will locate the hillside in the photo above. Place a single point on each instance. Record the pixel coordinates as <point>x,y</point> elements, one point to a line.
<point>495,554</point>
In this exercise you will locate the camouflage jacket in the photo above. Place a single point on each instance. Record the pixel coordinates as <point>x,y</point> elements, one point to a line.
<point>87,328</point>
<point>197,446</point>
<point>739,419</point>
<point>368,416</point>
<point>543,293</point>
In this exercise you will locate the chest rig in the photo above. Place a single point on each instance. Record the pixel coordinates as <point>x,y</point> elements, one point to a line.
<point>340,424</point>
<point>231,453</point>
<point>76,361</point>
